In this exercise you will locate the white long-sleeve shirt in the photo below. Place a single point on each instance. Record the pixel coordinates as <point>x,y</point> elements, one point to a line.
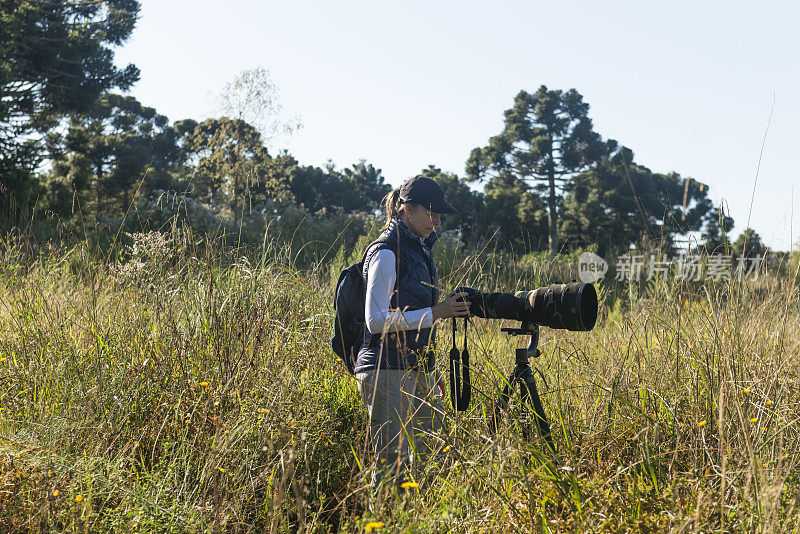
<point>381,277</point>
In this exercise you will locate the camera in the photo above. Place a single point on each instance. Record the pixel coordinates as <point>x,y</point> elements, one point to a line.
<point>560,306</point>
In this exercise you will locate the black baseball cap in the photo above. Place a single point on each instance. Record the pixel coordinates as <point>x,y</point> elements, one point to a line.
<point>425,191</point>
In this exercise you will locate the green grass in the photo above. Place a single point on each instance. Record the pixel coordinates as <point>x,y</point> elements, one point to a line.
<point>194,391</point>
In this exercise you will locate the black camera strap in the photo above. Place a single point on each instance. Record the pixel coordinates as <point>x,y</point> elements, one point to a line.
<point>460,384</point>
<point>455,372</point>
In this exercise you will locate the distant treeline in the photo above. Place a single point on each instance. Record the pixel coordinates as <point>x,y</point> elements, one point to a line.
<point>76,153</point>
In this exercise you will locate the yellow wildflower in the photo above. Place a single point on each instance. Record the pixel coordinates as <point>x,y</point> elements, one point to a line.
<point>203,384</point>
<point>701,424</point>
<point>746,390</point>
<point>2,359</point>
<point>369,527</point>
<point>263,410</point>
<point>407,485</point>
<point>768,403</point>
<point>754,420</point>
<point>78,497</point>
<point>446,449</point>
<point>56,493</point>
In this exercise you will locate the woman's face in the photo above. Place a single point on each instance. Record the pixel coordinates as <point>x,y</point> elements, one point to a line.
<point>419,220</point>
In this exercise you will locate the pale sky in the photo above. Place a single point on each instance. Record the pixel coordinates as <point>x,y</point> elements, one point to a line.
<point>687,85</point>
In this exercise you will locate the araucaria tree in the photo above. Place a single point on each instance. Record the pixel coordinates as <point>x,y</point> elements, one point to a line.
<point>57,58</point>
<point>548,138</point>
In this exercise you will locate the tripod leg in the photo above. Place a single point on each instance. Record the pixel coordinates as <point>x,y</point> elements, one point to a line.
<point>538,409</point>
<point>508,389</point>
<point>525,398</point>
<point>502,402</point>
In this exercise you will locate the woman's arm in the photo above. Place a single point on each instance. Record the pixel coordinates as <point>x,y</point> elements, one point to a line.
<point>381,277</point>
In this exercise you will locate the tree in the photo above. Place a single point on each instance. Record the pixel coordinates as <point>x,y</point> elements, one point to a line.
<point>252,96</point>
<point>230,157</point>
<point>356,189</point>
<point>716,229</point>
<point>252,99</point>
<point>515,215</point>
<point>364,186</point>
<point>748,244</point>
<point>57,59</point>
<point>618,203</point>
<point>546,140</point>
<point>114,149</point>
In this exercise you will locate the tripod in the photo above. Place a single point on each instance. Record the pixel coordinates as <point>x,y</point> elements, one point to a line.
<point>529,393</point>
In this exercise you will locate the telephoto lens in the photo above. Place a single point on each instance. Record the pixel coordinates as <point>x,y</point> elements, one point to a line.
<point>561,306</point>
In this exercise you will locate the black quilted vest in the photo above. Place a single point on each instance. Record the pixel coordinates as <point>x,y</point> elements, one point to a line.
<point>417,288</point>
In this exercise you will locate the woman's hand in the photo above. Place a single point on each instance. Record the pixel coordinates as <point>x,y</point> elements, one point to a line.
<point>452,307</point>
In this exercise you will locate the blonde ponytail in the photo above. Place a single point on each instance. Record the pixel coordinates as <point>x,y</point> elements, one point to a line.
<point>391,205</point>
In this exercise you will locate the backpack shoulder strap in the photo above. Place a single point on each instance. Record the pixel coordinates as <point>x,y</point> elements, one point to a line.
<point>388,244</point>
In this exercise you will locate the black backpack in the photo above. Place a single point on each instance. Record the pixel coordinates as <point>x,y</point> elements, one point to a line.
<point>349,329</point>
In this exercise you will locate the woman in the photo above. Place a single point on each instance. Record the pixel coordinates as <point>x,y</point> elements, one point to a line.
<point>395,367</point>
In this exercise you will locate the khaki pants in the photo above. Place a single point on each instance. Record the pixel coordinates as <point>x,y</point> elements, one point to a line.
<point>404,410</point>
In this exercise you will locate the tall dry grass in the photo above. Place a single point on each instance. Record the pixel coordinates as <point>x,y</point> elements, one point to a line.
<point>190,388</point>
